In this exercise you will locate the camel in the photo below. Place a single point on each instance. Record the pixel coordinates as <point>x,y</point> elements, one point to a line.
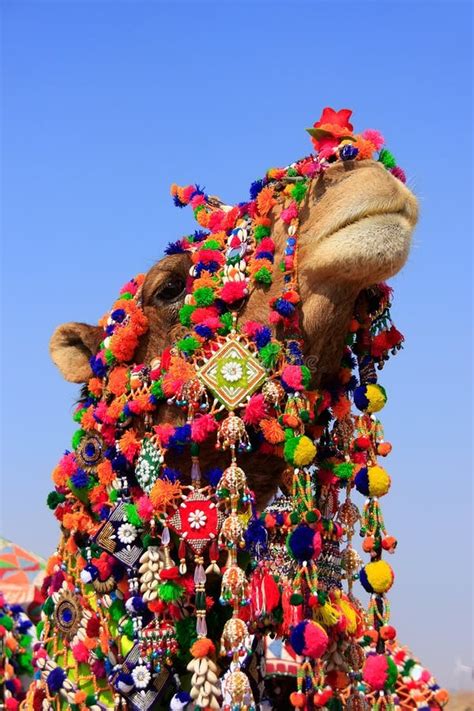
<point>355,223</point>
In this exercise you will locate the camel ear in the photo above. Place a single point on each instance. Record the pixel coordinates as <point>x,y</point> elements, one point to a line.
<point>71,347</point>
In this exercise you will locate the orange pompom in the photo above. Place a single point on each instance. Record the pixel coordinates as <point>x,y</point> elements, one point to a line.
<point>384,448</point>
<point>368,544</point>
<point>164,493</point>
<point>298,699</point>
<point>95,386</point>
<point>272,431</point>
<point>265,200</point>
<point>118,379</point>
<point>341,408</point>
<point>203,647</point>
<point>105,472</point>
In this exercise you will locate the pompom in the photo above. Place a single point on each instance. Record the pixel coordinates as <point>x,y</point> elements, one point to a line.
<point>202,427</point>
<point>377,577</point>
<point>203,647</point>
<point>255,410</point>
<point>299,450</point>
<point>370,398</point>
<point>373,481</point>
<point>55,679</point>
<point>233,291</point>
<point>304,543</point>
<point>380,672</point>
<point>309,639</point>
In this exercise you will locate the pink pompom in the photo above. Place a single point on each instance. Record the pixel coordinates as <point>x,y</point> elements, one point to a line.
<point>255,410</point>
<point>251,328</point>
<point>375,671</point>
<point>267,245</point>
<point>68,464</point>
<point>290,213</point>
<point>292,377</point>
<point>202,427</point>
<point>216,220</point>
<point>274,318</point>
<point>145,508</point>
<point>375,137</point>
<point>11,704</point>
<point>80,652</point>
<point>233,291</point>
<point>309,638</point>
<point>164,432</point>
<point>399,173</point>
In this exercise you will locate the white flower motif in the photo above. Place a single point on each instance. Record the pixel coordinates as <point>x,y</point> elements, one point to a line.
<point>232,371</point>
<point>127,533</point>
<point>197,519</point>
<point>141,676</point>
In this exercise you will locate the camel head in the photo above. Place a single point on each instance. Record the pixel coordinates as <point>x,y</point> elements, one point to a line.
<point>355,219</point>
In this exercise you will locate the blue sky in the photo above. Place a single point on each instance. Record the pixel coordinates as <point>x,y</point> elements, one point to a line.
<point>106,104</point>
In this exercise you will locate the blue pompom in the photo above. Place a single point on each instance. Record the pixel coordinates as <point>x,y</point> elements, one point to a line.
<point>300,543</point>
<point>175,247</point>
<point>297,639</point>
<point>361,481</point>
<point>80,479</point>
<point>263,336</point>
<point>213,476</point>
<point>348,152</point>
<point>284,308</point>
<point>55,679</point>
<point>255,188</point>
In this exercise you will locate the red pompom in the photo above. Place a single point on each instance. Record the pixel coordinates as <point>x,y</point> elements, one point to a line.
<point>375,671</point>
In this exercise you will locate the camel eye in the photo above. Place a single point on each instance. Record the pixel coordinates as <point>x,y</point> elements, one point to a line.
<point>171,289</point>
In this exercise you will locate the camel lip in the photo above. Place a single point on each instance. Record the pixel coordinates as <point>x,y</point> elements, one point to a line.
<point>401,212</point>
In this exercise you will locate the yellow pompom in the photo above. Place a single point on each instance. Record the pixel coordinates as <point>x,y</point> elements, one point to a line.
<point>350,615</point>
<point>378,575</point>
<point>379,481</point>
<point>376,397</point>
<point>305,452</point>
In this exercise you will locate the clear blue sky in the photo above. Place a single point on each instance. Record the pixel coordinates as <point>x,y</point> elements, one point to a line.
<point>107,103</point>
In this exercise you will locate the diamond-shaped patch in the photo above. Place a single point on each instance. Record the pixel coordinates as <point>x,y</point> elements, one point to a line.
<point>232,374</point>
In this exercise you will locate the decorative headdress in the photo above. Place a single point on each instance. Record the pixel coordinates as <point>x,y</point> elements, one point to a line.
<point>169,587</point>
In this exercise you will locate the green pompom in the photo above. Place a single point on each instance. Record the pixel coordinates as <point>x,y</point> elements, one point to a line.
<point>109,357</point>
<point>127,628</point>
<point>387,158</point>
<point>157,389</point>
<point>116,610</point>
<point>210,244</point>
<point>292,172</point>
<point>263,276</point>
<point>78,415</point>
<point>185,314</point>
<point>299,191</point>
<point>260,232</point>
<point>113,496</point>
<point>227,321</point>
<point>170,591</point>
<point>306,376</point>
<point>269,354</point>
<point>311,517</point>
<point>77,437</point>
<point>296,599</point>
<point>127,296</point>
<point>132,515</point>
<point>188,344</point>
<point>344,470</point>
<point>290,447</point>
<point>6,622</point>
<point>54,499</point>
<point>48,606</point>
<point>204,296</point>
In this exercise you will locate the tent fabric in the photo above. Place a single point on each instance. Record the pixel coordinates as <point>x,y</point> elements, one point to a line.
<point>21,573</point>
